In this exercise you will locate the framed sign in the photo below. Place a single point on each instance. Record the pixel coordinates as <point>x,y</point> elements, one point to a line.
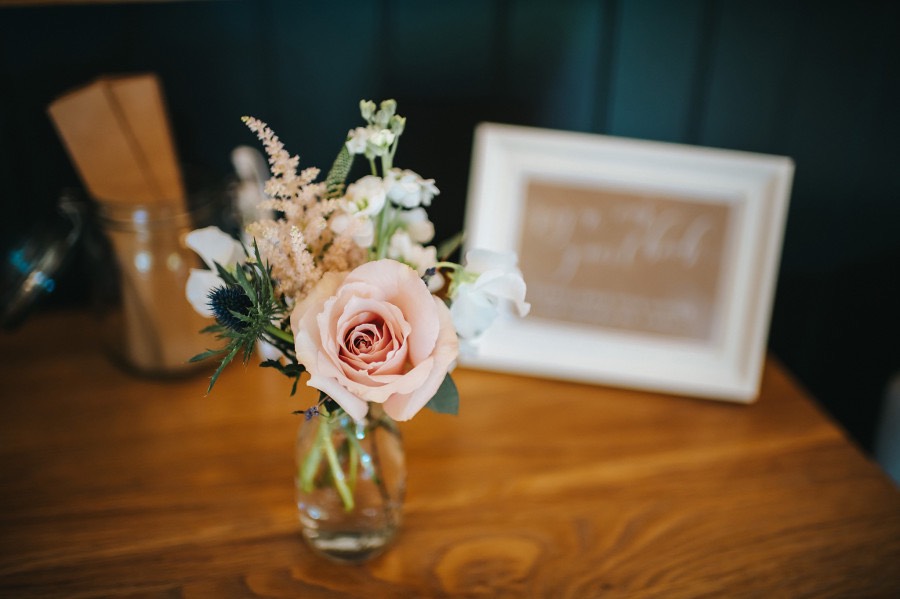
<point>648,265</point>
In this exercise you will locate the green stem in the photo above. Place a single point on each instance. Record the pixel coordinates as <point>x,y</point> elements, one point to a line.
<point>361,456</point>
<point>337,474</point>
<point>388,162</point>
<point>353,463</point>
<point>279,334</point>
<point>312,460</point>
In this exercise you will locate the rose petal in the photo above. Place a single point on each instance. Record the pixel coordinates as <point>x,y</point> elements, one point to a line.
<point>394,327</point>
<point>402,407</point>
<point>376,335</point>
<point>354,406</point>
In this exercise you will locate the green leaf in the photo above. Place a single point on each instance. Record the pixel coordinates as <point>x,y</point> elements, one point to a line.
<point>449,246</point>
<point>207,354</point>
<point>246,285</point>
<point>226,276</point>
<point>334,182</point>
<point>291,369</point>
<point>225,361</point>
<point>446,400</point>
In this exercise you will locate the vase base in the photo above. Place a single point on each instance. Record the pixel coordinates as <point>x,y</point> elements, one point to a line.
<point>352,546</point>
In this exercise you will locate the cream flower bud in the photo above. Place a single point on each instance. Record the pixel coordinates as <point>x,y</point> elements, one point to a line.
<point>383,116</point>
<point>397,125</point>
<point>367,109</point>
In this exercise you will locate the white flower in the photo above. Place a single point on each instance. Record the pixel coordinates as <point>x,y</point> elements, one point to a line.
<point>362,230</point>
<point>372,141</point>
<point>364,200</point>
<point>408,189</point>
<point>213,246</point>
<point>416,223</point>
<point>403,249</point>
<point>490,285</point>
<point>379,142</point>
<point>366,196</point>
<point>357,139</point>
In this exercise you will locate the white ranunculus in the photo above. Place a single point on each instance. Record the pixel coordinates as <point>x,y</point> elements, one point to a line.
<point>491,285</point>
<point>214,246</point>
<point>408,189</point>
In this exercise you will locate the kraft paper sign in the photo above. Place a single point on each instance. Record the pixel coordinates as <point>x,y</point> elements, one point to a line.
<point>639,262</point>
<point>648,265</point>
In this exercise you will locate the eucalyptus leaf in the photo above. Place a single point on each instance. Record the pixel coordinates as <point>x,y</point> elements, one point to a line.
<point>446,400</point>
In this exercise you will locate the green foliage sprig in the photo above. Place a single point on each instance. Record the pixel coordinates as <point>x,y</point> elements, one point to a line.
<point>261,321</point>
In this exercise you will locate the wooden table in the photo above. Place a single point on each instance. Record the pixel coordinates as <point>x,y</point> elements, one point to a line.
<point>114,486</point>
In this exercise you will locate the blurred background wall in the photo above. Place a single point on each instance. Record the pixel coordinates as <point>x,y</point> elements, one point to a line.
<point>816,81</point>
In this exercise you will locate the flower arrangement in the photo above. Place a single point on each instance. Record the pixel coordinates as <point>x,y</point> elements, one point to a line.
<point>343,285</point>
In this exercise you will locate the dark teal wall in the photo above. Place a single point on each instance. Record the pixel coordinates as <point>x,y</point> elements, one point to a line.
<point>817,81</point>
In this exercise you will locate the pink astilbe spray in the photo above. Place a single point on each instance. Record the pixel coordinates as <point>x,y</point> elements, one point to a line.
<point>300,247</point>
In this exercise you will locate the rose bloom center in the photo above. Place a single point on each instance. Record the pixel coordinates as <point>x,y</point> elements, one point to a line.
<point>371,342</point>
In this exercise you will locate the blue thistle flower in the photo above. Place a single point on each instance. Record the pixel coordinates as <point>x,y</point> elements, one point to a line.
<point>227,300</point>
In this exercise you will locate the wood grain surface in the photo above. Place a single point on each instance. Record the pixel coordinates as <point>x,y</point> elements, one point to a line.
<point>112,486</point>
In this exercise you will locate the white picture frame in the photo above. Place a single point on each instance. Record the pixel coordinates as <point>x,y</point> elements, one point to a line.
<point>653,265</point>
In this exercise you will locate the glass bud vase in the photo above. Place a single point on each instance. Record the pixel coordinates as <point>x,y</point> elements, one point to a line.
<point>351,479</point>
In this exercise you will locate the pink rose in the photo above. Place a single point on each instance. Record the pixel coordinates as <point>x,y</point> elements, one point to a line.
<point>375,335</point>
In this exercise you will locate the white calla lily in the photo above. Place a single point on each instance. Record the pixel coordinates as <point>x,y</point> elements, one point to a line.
<point>213,246</point>
<point>200,282</point>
